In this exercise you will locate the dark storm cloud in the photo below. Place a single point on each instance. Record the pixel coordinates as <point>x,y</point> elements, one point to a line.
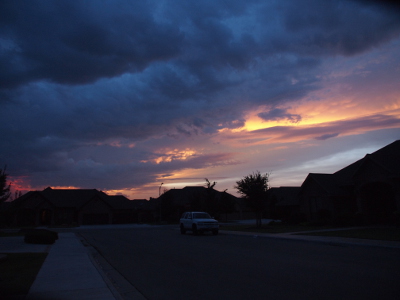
<point>338,27</point>
<point>78,42</point>
<point>78,74</point>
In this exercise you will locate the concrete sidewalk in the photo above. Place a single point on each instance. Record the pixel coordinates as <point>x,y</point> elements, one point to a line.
<point>69,273</point>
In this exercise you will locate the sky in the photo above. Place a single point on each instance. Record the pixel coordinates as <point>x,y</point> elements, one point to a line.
<point>138,97</point>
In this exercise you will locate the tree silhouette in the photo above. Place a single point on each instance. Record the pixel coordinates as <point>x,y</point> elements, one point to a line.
<point>210,204</point>
<point>209,185</point>
<point>253,188</point>
<point>4,188</point>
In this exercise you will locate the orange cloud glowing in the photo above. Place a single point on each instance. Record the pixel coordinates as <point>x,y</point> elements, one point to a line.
<point>170,155</point>
<point>19,183</point>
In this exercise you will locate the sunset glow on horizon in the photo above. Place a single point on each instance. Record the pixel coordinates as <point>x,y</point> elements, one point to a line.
<point>128,95</point>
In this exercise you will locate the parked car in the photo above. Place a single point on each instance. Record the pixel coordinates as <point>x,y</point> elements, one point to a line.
<point>198,222</point>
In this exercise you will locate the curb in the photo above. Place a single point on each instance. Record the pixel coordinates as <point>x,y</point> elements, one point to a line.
<point>334,241</point>
<point>118,285</point>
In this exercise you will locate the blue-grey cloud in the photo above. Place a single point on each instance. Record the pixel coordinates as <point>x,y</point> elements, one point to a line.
<point>278,114</point>
<point>79,42</point>
<point>75,74</point>
<point>326,136</point>
<point>328,130</point>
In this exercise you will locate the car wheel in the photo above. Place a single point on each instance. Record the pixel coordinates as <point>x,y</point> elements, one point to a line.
<point>183,231</point>
<point>194,229</point>
<point>215,231</point>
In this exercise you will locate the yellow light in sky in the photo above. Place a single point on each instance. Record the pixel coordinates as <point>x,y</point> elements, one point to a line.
<point>65,187</point>
<point>319,112</point>
<point>170,155</point>
<point>255,123</point>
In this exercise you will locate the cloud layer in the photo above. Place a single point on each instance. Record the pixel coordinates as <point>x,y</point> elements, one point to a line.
<point>120,95</point>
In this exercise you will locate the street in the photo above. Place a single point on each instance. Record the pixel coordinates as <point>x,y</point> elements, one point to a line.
<point>163,264</point>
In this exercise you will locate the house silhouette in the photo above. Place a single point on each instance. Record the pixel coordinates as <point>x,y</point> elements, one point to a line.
<point>367,190</point>
<point>52,207</point>
<point>170,205</point>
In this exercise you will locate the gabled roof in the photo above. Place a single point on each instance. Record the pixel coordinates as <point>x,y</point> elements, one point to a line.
<point>183,196</point>
<point>76,198</point>
<point>387,157</point>
<point>73,198</point>
<point>121,202</point>
<point>286,195</point>
<point>330,183</point>
<point>345,175</point>
<point>188,193</point>
<point>25,197</point>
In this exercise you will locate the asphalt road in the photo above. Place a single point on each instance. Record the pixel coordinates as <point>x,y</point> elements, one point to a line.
<point>163,264</point>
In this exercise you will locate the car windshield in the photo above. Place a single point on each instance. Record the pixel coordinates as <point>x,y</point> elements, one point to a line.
<point>201,216</point>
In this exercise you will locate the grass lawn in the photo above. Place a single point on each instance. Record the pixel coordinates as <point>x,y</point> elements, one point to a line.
<point>275,228</point>
<point>378,233</point>
<point>11,233</point>
<point>18,271</point>
<point>385,234</point>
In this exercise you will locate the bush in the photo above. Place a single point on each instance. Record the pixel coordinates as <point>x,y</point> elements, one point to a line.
<point>40,236</point>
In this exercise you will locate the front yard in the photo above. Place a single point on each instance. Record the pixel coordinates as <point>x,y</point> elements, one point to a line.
<point>272,228</point>
<point>18,271</point>
<point>377,233</point>
<point>374,233</point>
